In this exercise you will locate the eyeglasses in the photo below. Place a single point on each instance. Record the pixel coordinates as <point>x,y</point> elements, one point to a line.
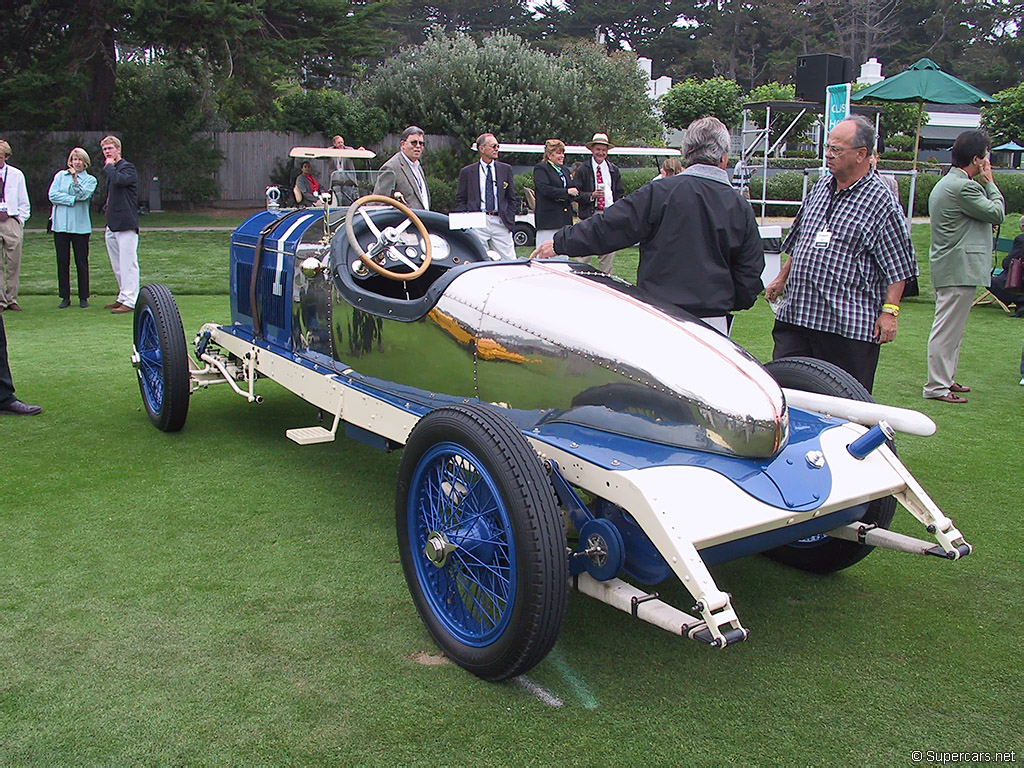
<point>832,149</point>
<point>416,142</point>
<point>491,146</point>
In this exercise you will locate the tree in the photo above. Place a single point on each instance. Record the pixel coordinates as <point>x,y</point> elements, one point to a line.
<point>1005,121</point>
<point>62,72</point>
<point>693,98</point>
<point>154,102</point>
<point>456,86</point>
<point>616,24</point>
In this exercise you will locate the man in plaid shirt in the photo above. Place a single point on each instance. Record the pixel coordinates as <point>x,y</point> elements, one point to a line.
<point>849,257</point>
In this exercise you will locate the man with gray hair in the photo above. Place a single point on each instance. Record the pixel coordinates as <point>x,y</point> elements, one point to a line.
<point>402,177</point>
<point>849,257</point>
<point>700,249</point>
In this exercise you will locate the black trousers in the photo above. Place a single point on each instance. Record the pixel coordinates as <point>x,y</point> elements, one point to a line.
<point>6,384</point>
<point>858,358</point>
<point>63,243</point>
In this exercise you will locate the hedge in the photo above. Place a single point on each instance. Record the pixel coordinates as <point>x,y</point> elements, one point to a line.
<point>788,185</point>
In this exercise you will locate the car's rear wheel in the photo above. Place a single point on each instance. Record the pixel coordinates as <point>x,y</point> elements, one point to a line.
<point>822,553</point>
<point>161,358</point>
<point>481,541</point>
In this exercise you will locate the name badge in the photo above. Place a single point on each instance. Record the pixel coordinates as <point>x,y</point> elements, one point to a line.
<point>822,239</point>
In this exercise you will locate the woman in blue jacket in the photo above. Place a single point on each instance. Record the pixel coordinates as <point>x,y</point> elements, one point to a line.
<point>70,193</point>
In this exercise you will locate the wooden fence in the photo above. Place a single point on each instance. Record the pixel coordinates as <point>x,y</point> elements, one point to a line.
<point>250,160</point>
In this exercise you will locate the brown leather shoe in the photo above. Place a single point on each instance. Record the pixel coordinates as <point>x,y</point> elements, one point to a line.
<point>958,388</point>
<point>124,309</point>
<point>17,408</point>
<point>14,307</point>
<point>115,305</point>
<point>949,397</point>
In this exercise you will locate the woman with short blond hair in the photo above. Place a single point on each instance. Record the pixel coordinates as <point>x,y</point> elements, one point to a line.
<point>552,183</point>
<point>70,193</point>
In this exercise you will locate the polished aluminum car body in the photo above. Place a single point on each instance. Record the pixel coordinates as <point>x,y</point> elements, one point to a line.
<point>669,446</point>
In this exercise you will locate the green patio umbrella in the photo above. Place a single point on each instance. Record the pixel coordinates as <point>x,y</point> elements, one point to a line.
<point>924,82</point>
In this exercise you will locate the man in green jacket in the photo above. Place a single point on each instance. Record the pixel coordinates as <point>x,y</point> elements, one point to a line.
<point>962,212</point>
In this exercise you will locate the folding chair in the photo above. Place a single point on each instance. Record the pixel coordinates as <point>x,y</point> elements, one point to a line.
<point>999,245</point>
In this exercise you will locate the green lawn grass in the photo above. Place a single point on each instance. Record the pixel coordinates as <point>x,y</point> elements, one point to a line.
<point>224,596</point>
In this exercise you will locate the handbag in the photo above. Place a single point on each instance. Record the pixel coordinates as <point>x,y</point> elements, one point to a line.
<point>1014,275</point>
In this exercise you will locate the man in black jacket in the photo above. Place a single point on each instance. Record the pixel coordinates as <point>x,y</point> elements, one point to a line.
<point>487,186</point>
<point>122,234</point>
<point>700,248</point>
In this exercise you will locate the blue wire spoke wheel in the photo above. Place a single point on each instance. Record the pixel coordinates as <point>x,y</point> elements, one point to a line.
<point>481,541</point>
<point>161,359</point>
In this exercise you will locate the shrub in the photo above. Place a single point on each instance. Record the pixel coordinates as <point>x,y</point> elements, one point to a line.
<point>442,193</point>
<point>634,179</point>
<point>693,98</point>
<point>787,185</point>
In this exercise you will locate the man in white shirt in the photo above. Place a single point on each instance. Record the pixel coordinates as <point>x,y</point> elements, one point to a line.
<point>343,177</point>
<point>14,212</point>
<point>487,185</point>
<point>402,177</point>
<point>600,185</point>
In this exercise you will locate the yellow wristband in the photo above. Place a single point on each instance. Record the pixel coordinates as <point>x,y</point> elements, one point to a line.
<point>891,309</point>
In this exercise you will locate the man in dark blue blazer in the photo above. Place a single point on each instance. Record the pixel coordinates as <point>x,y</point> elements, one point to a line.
<point>487,186</point>
<point>122,234</point>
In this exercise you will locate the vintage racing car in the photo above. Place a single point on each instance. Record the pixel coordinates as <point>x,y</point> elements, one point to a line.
<point>559,428</point>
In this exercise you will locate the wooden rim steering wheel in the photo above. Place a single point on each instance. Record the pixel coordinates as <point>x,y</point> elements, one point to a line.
<point>388,239</point>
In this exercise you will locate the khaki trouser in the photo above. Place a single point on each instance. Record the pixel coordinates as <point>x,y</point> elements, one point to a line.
<point>604,261</point>
<point>952,305</point>
<point>11,236</point>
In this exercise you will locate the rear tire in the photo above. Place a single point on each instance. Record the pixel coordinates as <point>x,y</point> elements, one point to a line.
<point>481,541</point>
<point>822,553</point>
<point>162,358</point>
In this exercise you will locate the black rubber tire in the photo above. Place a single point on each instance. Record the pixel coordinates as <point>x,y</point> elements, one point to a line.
<point>163,372</point>
<point>528,520</point>
<point>523,235</point>
<point>827,555</point>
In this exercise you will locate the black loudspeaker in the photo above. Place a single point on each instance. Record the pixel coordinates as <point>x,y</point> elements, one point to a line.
<point>816,71</point>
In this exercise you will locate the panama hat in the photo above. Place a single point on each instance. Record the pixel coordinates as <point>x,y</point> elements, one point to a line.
<point>599,138</point>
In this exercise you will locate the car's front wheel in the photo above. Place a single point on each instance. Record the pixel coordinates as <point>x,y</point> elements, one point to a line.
<point>160,358</point>
<point>481,541</point>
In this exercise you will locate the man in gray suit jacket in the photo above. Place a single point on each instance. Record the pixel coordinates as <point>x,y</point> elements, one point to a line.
<point>962,212</point>
<point>402,176</point>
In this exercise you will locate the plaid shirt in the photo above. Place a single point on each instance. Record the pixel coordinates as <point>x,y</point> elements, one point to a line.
<point>840,288</point>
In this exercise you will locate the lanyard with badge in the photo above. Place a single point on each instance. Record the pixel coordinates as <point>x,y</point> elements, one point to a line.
<point>824,237</point>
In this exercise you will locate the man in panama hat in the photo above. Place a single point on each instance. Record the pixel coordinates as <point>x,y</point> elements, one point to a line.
<point>600,185</point>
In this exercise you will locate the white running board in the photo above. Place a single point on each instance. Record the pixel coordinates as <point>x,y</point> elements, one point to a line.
<point>310,435</point>
<point>314,435</point>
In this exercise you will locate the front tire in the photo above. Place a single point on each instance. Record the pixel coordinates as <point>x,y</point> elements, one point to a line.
<point>162,359</point>
<point>481,541</point>
<point>822,553</point>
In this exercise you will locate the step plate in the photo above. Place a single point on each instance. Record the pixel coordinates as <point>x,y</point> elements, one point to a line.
<point>310,435</point>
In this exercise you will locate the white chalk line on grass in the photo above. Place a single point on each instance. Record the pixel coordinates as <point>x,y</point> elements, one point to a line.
<point>532,688</point>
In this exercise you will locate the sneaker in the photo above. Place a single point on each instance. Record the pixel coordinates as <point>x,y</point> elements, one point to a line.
<point>1022,382</point>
